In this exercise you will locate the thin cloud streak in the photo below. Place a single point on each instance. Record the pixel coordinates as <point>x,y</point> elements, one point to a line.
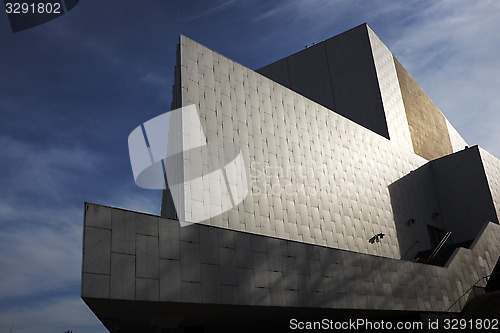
<point>49,316</point>
<point>30,169</point>
<point>223,6</point>
<point>39,259</point>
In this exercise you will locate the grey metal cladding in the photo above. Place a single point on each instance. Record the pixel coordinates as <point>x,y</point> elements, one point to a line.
<point>122,276</point>
<point>331,278</point>
<point>123,236</point>
<point>97,217</point>
<point>95,285</point>
<point>147,289</point>
<point>190,257</point>
<point>464,193</point>
<point>147,256</point>
<point>169,234</point>
<point>147,225</point>
<point>97,242</point>
<point>170,280</point>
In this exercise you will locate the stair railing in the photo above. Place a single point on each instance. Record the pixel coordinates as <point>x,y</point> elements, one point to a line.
<point>439,247</point>
<point>468,290</point>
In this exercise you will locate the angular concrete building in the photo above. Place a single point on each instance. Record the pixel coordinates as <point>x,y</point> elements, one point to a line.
<point>363,201</point>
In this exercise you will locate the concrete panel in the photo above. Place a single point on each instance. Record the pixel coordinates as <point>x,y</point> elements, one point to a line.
<point>277,286</point>
<point>229,294</point>
<point>226,239</point>
<point>209,246</point>
<point>147,256</point>
<point>190,259</point>
<point>97,216</point>
<point>274,254</point>
<point>146,225</point>
<point>210,283</point>
<point>261,270</point>
<point>262,296</point>
<point>122,276</point>
<point>123,235</point>
<point>259,244</point>
<point>290,273</point>
<point>147,290</point>
<point>190,233</point>
<point>246,286</point>
<point>244,257</point>
<point>228,271</point>
<point>170,280</point>
<point>95,285</point>
<point>191,292</point>
<point>97,250</point>
<point>304,283</point>
<point>169,239</point>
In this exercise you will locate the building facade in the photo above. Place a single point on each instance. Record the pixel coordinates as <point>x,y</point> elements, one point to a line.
<point>356,180</point>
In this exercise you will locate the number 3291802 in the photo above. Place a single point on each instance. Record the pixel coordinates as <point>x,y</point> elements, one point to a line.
<point>32,8</point>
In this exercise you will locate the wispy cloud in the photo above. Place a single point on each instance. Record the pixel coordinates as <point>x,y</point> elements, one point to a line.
<point>211,11</point>
<point>29,168</point>
<point>36,259</point>
<point>49,316</point>
<point>41,232</point>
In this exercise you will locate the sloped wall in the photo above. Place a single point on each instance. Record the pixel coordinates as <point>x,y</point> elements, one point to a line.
<point>314,175</point>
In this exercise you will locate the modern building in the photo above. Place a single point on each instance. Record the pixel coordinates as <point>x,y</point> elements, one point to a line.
<point>363,200</point>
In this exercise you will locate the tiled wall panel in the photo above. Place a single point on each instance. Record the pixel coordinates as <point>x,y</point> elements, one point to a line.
<point>325,183</point>
<point>271,271</point>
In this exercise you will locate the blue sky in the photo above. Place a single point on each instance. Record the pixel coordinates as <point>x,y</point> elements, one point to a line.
<point>72,90</point>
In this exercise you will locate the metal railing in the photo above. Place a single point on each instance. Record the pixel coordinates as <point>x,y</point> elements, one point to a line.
<point>439,247</point>
<point>472,287</point>
<point>436,250</point>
